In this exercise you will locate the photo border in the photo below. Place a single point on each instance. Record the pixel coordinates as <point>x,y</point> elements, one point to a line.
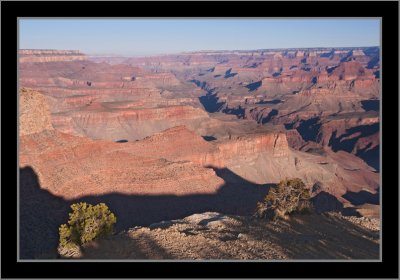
<point>387,11</point>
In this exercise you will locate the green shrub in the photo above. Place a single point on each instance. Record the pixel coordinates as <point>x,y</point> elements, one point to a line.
<point>289,196</point>
<point>86,223</point>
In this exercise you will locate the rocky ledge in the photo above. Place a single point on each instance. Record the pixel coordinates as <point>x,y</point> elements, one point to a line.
<point>213,235</point>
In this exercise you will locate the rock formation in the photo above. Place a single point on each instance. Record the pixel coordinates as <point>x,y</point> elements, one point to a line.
<point>165,137</point>
<point>31,119</point>
<point>213,236</point>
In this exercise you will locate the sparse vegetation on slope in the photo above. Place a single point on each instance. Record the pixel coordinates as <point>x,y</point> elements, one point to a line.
<point>86,223</point>
<point>289,196</point>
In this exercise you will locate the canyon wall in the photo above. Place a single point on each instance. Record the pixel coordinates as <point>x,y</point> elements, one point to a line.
<point>34,113</point>
<point>146,99</point>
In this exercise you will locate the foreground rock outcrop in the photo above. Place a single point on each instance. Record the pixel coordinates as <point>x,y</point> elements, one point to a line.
<point>214,236</point>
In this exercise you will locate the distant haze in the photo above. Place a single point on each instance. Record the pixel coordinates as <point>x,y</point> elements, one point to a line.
<point>139,37</point>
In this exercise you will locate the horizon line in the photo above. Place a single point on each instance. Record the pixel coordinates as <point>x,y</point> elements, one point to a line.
<point>204,51</point>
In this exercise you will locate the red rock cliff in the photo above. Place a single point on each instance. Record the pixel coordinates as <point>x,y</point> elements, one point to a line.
<point>274,143</point>
<point>34,114</point>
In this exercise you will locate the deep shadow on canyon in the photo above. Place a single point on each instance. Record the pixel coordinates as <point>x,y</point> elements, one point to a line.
<point>343,142</point>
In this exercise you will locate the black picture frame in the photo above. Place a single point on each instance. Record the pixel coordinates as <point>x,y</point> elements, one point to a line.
<point>388,268</point>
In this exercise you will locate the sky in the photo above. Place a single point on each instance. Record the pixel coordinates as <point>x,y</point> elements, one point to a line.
<point>138,37</point>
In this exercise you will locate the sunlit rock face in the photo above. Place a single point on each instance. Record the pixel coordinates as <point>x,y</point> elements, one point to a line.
<point>264,115</point>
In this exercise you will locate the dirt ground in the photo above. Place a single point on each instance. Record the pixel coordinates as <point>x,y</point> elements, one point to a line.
<point>211,235</point>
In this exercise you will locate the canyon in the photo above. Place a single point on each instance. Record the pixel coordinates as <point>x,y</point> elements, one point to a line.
<point>164,137</point>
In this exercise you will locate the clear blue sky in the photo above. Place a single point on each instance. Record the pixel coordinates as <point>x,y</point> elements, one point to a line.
<point>158,36</point>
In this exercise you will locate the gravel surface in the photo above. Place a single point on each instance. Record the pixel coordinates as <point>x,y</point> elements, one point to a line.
<point>212,235</point>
